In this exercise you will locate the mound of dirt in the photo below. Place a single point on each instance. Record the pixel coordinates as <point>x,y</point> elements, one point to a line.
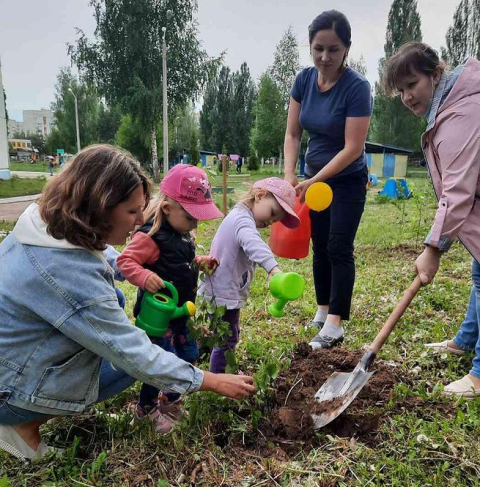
<point>290,420</point>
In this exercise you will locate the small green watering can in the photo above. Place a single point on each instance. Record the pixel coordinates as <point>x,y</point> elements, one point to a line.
<point>157,310</point>
<point>285,286</point>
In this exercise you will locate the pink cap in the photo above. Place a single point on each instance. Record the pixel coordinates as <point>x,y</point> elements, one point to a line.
<point>189,186</point>
<point>285,194</point>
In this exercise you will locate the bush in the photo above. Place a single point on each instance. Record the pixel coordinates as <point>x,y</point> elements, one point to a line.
<point>253,163</point>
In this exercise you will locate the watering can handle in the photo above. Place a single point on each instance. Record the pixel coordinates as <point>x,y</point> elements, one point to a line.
<point>396,314</point>
<point>173,291</point>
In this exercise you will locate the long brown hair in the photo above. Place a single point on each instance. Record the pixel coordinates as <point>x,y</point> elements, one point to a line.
<point>77,204</point>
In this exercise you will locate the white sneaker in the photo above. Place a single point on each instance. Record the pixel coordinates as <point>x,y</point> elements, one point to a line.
<point>462,388</point>
<point>13,443</point>
<point>443,347</point>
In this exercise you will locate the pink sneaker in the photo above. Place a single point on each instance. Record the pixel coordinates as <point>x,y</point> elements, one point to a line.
<point>163,417</point>
<point>171,412</point>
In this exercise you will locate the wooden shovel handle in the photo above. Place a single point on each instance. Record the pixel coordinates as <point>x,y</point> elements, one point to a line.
<point>396,314</point>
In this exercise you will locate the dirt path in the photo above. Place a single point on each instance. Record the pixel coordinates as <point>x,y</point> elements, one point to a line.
<point>12,208</point>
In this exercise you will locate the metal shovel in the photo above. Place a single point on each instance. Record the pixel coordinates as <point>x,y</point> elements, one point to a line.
<point>341,388</point>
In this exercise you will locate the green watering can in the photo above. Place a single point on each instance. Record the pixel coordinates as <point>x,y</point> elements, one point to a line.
<point>285,286</point>
<point>157,310</point>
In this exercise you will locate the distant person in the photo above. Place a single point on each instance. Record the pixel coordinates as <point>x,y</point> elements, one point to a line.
<point>449,101</point>
<point>51,164</point>
<point>333,103</point>
<point>239,165</point>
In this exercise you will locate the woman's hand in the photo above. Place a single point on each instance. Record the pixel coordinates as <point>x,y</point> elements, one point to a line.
<point>427,264</point>
<point>291,178</point>
<point>301,189</point>
<point>153,283</point>
<point>228,385</point>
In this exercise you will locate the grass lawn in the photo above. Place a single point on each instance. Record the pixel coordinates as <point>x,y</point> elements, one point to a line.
<point>21,187</point>
<point>39,166</point>
<point>435,444</point>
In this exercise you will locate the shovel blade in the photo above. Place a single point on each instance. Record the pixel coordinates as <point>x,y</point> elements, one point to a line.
<point>337,393</point>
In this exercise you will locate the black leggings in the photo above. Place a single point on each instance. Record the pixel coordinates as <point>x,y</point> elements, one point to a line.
<point>333,233</point>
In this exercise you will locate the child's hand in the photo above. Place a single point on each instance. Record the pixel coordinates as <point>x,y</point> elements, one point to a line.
<point>206,263</point>
<point>153,283</point>
<point>274,271</point>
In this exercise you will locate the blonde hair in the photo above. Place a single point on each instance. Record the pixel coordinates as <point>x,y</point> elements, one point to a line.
<point>154,211</point>
<point>77,204</point>
<point>249,199</point>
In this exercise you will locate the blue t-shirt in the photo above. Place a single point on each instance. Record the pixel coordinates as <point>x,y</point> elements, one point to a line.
<point>323,116</point>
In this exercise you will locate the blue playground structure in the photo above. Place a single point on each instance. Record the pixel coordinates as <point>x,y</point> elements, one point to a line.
<point>396,189</point>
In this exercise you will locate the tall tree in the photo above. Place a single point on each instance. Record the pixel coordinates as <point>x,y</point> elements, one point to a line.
<point>270,123</point>
<point>108,123</point>
<point>358,65</point>
<point>126,58</point>
<point>183,127</point>
<point>392,122</point>
<point>463,36</point>
<point>64,112</point>
<point>194,152</point>
<point>222,129</point>
<point>244,92</point>
<point>208,114</point>
<point>286,64</point>
<point>38,142</point>
<point>130,137</point>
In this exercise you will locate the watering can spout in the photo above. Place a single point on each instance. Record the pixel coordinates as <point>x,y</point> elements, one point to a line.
<point>188,309</point>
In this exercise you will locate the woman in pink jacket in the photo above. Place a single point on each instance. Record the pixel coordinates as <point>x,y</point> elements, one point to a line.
<point>450,101</point>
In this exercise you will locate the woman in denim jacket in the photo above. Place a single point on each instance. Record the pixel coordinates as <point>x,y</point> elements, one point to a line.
<point>65,343</point>
<point>450,102</point>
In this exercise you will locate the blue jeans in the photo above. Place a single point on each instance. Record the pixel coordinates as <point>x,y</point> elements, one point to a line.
<point>112,381</point>
<point>175,341</point>
<point>468,337</point>
<point>120,297</point>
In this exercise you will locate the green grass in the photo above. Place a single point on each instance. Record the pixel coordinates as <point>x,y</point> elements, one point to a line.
<point>424,446</point>
<point>5,227</point>
<point>21,187</point>
<point>40,166</point>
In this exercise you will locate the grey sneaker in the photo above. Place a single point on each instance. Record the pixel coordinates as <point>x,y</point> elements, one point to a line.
<point>325,342</point>
<point>315,324</point>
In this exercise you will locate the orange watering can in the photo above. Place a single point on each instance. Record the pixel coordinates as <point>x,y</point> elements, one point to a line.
<point>295,243</point>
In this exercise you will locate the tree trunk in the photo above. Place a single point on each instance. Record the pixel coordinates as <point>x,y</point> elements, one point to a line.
<point>280,160</point>
<point>153,148</point>
<point>263,161</point>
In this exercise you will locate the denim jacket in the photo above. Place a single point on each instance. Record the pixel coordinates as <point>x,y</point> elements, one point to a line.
<point>59,316</point>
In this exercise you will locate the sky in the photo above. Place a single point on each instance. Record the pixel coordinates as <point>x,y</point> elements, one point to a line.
<point>34,36</point>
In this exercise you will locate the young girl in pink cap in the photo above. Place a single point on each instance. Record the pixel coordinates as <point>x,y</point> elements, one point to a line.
<point>163,249</point>
<point>238,247</point>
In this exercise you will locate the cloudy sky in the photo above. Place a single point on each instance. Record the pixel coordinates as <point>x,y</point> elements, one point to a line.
<point>34,34</point>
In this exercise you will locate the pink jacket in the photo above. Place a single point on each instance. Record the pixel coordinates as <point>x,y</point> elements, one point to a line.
<point>452,150</point>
